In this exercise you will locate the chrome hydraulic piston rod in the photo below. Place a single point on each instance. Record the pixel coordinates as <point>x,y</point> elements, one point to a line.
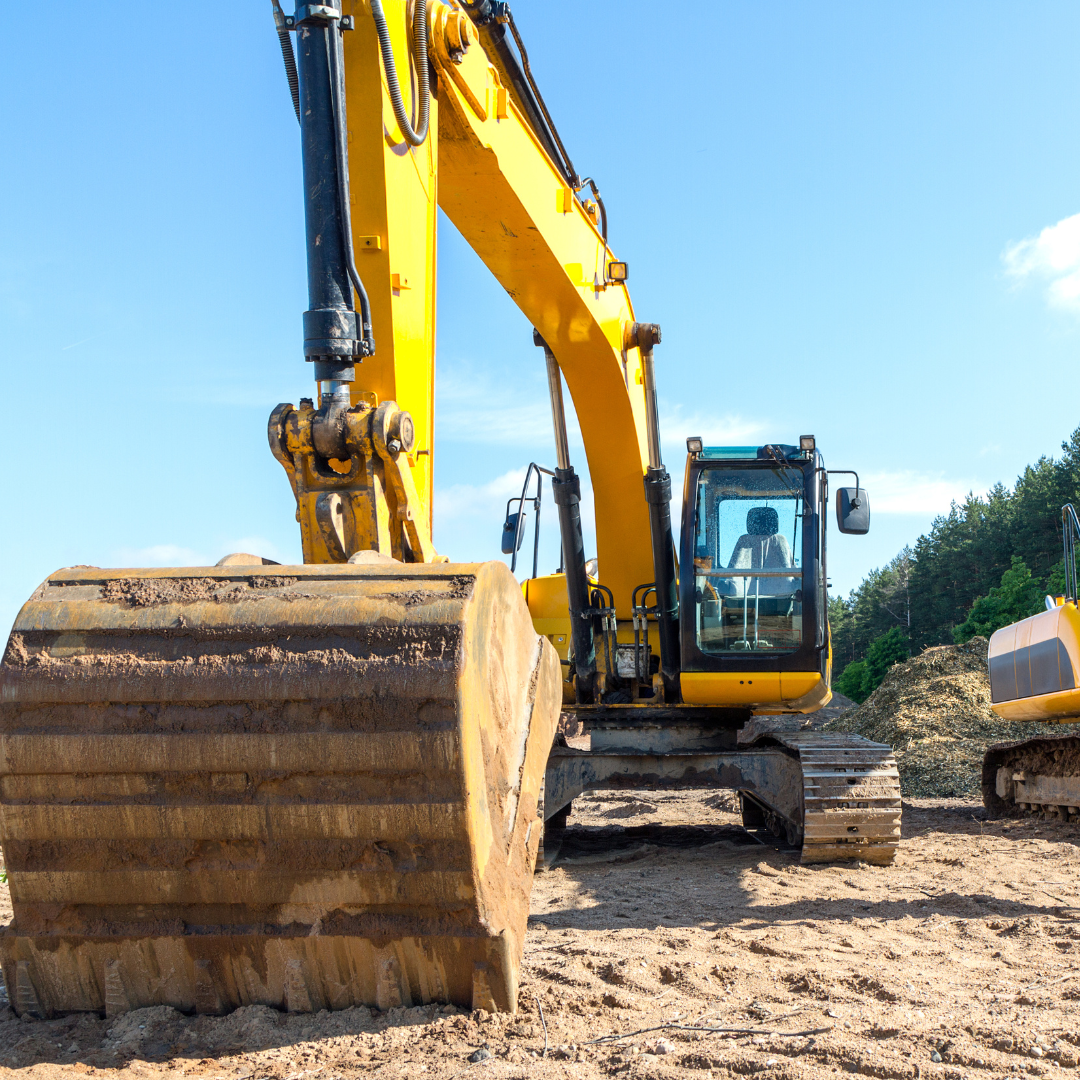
<point>658,495</point>
<point>566,490</point>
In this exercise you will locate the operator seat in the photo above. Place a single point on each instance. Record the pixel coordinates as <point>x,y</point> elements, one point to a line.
<point>762,547</point>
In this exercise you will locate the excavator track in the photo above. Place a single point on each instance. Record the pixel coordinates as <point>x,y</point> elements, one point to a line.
<point>836,795</point>
<point>301,786</point>
<point>851,797</point>
<point>1038,776</point>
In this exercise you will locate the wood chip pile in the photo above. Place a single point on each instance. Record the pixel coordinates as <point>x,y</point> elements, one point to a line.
<point>934,711</point>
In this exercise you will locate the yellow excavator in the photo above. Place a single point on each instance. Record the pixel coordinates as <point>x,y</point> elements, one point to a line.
<point>326,785</point>
<point>1033,677</point>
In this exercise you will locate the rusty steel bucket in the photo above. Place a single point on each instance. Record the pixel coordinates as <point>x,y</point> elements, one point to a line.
<point>301,786</point>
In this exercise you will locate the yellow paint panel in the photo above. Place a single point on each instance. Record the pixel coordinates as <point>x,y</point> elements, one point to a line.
<point>547,598</point>
<point>804,691</point>
<point>1062,623</point>
<point>393,197</point>
<point>1063,707</point>
<point>731,688</point>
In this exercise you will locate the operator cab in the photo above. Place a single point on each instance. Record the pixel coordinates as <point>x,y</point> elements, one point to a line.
<point>753,600</point>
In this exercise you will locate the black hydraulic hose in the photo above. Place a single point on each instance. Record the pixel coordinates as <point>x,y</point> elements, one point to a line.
<point>658,496</point>
<point>414,137</point>
<point>603,212</point>
<point>568,165</point>
<point>603,219</point>
<point>336,65</point>
<point>287,54</point>
<point>489,20</point>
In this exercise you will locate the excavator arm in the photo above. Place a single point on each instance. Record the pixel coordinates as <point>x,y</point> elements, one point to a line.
<point>487,167</point>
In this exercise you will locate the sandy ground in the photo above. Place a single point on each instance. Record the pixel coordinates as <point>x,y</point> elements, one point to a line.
<point>961,960</point>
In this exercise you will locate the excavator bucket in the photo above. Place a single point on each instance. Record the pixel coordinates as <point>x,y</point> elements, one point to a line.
<point>309,787</point>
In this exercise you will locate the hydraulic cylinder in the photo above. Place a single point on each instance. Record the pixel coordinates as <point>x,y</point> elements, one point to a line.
<point>566,490</point>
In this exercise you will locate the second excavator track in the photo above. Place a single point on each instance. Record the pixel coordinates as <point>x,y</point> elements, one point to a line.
<point>1038,777</point>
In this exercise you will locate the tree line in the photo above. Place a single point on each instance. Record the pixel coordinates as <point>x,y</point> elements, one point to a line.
<point>986,563</point>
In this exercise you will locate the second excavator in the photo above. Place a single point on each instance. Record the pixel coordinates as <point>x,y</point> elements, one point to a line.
<point>1034,666</point>
<point>322,785</point>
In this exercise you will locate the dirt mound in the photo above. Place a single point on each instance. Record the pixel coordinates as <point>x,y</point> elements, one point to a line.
<point>673,944</point>
<point>934,711</point>
<point>838,705</point>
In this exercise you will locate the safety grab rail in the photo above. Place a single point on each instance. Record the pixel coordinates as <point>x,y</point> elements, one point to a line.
<point>1070,532</point>
<point>514,525</point>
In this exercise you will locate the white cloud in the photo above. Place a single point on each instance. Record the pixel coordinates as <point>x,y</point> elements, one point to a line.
<point>471,407</point>
<point>160,555</point>
<point>910,492</point>
<point>469,517</point>
<point>1053,255</point>
<point>178,555</point>
<point>493,422</point>
<point>259,545</point>
<point>472,501</point>
<point>676,426</point>
<point>730,430</point>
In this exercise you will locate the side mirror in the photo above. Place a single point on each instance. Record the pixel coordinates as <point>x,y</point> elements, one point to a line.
<point>853,510</point>
<point>512,536</point>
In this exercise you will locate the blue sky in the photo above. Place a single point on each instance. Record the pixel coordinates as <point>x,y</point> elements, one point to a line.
<point>851,219</point>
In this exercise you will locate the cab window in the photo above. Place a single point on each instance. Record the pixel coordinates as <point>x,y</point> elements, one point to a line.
<point>748,560</point>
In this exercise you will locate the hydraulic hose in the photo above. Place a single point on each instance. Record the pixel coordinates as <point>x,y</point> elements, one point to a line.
<point>568,165</point>
<point>414,137</point>
<point>491,20</point>
<point>288,56</point>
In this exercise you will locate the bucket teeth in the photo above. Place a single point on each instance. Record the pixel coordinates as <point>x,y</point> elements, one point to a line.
<point>27,1002</point>
<point>306,786</point>
<point>116,999</point>
<point>388,987</point>
<point>482,997</point>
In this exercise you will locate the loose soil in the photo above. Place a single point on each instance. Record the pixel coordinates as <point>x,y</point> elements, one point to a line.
<point>664,915</point>
<point>934,711</point>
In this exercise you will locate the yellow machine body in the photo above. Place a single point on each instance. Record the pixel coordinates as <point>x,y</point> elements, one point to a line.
<point>1033,678</point>
<point>317,786</point>
<point>1034,665</point>
<point>765,693</point>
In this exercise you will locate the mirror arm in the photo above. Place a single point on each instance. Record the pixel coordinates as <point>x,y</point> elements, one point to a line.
<point>848,472</point>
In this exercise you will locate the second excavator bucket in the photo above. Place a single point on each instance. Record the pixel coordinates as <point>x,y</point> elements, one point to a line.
<point>309,787</point>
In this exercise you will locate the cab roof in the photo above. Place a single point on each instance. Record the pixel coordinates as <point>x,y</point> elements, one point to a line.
<point>769,452</point>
